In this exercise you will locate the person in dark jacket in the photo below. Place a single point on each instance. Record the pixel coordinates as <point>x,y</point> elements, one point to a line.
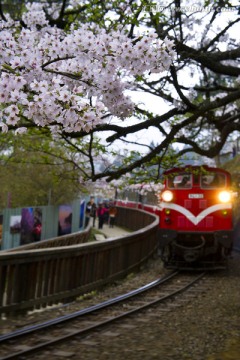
<point>101,215</point>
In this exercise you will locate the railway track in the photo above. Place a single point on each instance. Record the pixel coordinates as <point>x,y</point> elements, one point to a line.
<point>169,291</point>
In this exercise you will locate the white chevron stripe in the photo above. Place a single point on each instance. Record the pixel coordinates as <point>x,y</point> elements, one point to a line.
<point>196,219</point>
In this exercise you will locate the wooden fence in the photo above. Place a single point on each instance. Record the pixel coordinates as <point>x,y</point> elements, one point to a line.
<point>37,277</point>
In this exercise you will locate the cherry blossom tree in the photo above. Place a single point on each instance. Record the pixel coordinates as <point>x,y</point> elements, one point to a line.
<point>70,80</point>
<point>74,67</point>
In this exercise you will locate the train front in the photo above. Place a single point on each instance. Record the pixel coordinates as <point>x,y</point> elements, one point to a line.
<point>196,218</point>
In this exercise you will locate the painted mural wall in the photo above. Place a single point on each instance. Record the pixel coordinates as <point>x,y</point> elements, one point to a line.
<point>26,225</point>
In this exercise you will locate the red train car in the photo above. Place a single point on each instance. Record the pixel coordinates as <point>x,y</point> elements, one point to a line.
<point>196,227</point>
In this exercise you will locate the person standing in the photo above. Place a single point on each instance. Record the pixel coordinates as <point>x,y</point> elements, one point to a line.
<point>112,215</point>
<point>106,215</point>
<point>101,215</point>
<point>93,210</point>
<point>90,211</point>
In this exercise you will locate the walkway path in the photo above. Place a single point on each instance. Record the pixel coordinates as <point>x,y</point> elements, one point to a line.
<point>114,232</point>
<point>107,232</point>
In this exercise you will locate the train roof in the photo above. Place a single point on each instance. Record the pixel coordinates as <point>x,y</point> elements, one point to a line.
<point>193,168</point>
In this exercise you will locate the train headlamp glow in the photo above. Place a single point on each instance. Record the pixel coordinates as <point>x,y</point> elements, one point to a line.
<point>224,196</point>
<point>167,196</point>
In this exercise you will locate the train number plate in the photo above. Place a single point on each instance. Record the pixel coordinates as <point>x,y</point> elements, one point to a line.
<point>195,196</point>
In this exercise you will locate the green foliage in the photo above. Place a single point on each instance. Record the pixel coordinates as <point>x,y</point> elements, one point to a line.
<point>36,170</point>
<point>150,172</point>
<point>218,3</point>
<point>13,7</point>
<point>233,166</point>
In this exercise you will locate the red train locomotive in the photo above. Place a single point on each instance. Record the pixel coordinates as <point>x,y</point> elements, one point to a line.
<point>195,217</point>
<point>196,228</point>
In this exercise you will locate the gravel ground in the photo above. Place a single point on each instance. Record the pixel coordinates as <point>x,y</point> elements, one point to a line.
<point>206,328</point>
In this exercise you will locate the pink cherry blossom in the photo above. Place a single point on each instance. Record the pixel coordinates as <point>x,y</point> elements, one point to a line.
<point>73,78</point>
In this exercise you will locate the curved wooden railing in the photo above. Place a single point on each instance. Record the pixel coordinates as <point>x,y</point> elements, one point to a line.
<point>35,277</point>
<point>64,240</point>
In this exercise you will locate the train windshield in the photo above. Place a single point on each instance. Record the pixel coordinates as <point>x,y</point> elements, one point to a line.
<point>180,181</point>
<point>208,180</point>
<point>213,180</point>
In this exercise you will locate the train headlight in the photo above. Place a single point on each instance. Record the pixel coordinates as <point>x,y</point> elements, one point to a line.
<point>224,196</point>
<point>167,196</point>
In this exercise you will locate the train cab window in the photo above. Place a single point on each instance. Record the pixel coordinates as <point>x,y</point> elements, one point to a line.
<point>180,181</point>
<point>213,180</point>
<point>195,179</point>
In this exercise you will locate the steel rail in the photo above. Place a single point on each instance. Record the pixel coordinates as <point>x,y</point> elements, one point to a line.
<point>91,309</point>
<point>76,314</point>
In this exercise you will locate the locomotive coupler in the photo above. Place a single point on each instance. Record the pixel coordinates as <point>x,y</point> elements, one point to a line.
<point>190,253</point>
